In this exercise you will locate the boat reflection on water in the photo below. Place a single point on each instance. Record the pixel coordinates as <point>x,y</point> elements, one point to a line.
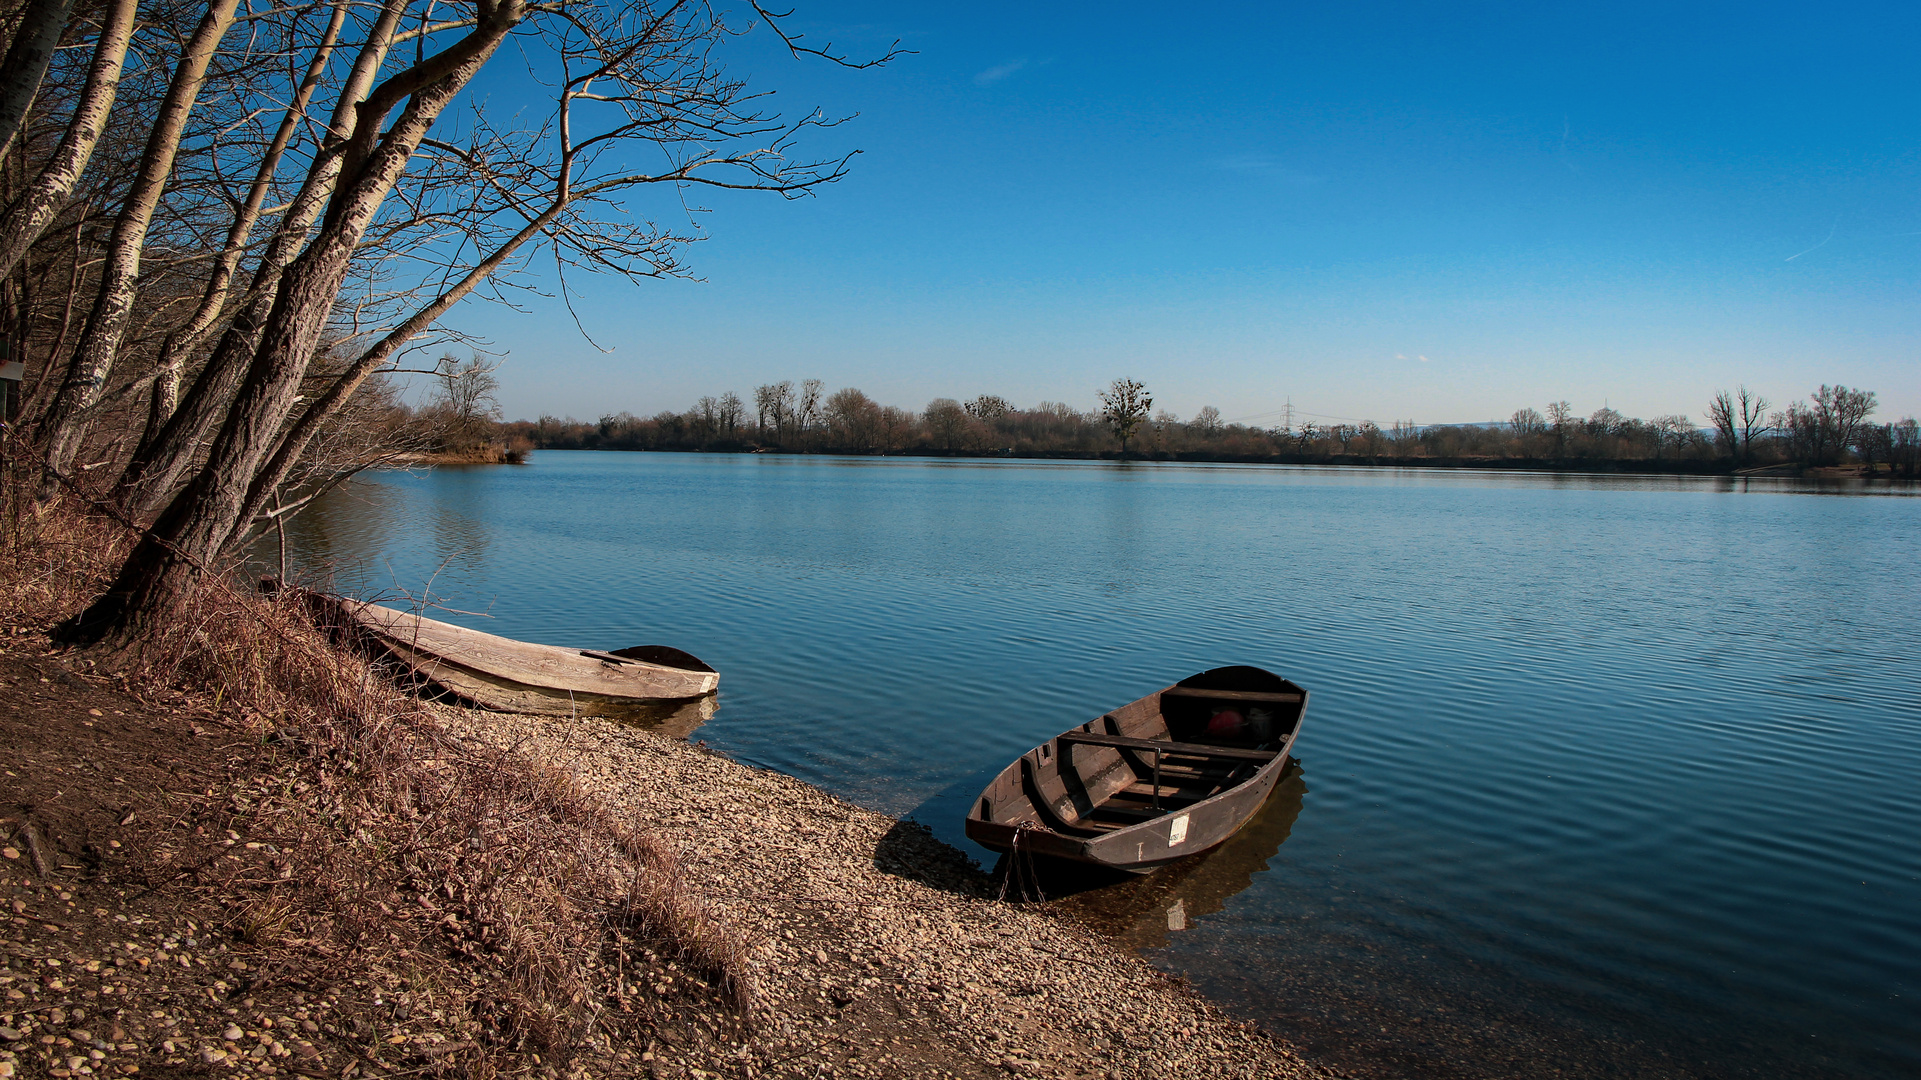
<point>674,719</point>
<point>1140,911</point>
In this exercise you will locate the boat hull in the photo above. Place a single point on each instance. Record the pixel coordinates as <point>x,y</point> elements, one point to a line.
<point>498,694</point>
<point>1141,849</point>
<point>505,675</point>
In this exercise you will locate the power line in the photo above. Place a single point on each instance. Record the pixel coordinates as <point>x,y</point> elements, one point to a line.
<point>1290,410</point>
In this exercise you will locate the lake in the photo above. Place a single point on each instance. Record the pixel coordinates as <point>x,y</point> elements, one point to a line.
<point>1618,776</point>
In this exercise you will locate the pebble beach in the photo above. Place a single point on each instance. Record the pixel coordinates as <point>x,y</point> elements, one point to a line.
<point>869,926</point>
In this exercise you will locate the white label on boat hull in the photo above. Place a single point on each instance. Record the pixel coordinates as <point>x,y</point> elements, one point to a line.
<point>1177,831</point>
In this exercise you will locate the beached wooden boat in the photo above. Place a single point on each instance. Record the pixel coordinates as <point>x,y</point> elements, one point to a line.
<point>518,676</point>
<point>1169,775</point>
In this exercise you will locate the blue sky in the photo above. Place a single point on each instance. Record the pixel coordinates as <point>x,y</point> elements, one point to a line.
<point>1436,212</point>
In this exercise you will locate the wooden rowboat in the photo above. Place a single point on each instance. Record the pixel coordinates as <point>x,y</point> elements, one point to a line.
<point>516,676</point>
<point>1174,773</point>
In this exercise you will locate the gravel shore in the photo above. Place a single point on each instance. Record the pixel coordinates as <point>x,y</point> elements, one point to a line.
<point>182,898</point>
<point>881,950</point>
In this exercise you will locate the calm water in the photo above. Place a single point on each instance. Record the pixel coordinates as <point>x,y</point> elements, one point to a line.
<point>1616,776</point>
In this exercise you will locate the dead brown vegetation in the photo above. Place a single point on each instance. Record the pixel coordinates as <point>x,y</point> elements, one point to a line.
<point>490,890</point>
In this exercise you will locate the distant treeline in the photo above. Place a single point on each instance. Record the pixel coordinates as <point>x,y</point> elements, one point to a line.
<point>1830,429</point>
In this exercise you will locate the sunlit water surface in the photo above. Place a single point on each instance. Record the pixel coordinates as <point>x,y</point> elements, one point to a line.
<point>1617,776</point>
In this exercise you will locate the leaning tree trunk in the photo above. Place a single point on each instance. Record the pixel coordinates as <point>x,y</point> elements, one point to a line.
<point>26,64</point>
<point>195,530</point>
<point>35,209</point>
<point>292,445</point>
<point>213,298</point>
<point>67,423</point>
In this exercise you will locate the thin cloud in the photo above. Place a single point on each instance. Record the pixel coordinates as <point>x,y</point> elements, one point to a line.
<point>996,74</point>
<point>1423,359</point>
<point>1816,247</point>
<point>1266,165</point>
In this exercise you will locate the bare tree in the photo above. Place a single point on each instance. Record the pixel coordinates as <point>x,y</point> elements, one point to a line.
<point>1125,404</point>
<point>776,404</point>
<point>1208,420</point>
<point>1904,451</point>
<point>807,414</point>
<point>1842,412</point>
<point>1721,413</point>
<point>728,414</point>
<point>1164,430</point>
<point>114,303</point>
<point>1671,432</point>
<point>705,418</point>
<point>1737,420</point>
<point>173,441</point>
<point>946,422</point>
<point>30,212</point>
<point>1875,442</point>
<point>896,428</point>
<point>182,342</point>
<point>1820,432</point>
<point>1560,420</point>
<point>1750,408</point>
<point>623,75</point>
<point>1606,422</point>
<point>854,420</point>
<point>470,394</point>
<point>988,407</point>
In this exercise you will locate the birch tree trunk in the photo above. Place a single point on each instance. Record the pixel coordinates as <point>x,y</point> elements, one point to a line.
<point>26,64</point>
<point>66,425</point>
<point>36,208</point>
<point>166,455</point>
<point>213,299</point>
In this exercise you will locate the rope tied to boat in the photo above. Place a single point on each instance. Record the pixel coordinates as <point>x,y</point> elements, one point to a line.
<point>1019,868</point>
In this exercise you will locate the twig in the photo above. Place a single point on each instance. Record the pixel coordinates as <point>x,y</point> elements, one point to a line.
<point>37,848</point>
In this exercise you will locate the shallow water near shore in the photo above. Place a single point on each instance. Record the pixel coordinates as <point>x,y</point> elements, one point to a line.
<point>1607,775</point>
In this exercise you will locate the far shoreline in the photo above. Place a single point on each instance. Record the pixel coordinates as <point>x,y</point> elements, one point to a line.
<point>1629,467</point>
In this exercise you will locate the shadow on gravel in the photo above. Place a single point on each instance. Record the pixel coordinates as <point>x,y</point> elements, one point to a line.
<point>909,850</point>
<point>1029,880</point>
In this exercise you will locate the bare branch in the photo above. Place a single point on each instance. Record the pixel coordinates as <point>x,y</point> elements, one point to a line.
<point>825,52</point>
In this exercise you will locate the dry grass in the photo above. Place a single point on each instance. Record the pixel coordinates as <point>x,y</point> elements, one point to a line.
<point>49,563</point>
<point>515,900</point>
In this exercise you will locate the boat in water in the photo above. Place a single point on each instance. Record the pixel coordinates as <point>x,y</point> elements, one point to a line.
<point>645,682</point>
<point>1174,773</point>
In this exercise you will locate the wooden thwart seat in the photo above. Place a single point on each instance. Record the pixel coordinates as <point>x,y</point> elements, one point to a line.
<point>1230,695</point>
<point>1163,746</point>
<point>1126,815</point>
